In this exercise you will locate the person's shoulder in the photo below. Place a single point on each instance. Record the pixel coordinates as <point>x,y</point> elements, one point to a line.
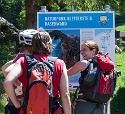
<point>83,63</point>
<point>59,61</point>
<point>18,56</point>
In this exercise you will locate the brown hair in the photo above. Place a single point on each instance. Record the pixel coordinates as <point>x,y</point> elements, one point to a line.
<point>91,45</point>
<point>25,47</point>
<point>41,43</point>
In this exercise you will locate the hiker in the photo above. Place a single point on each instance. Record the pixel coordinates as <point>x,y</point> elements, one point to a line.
<point>25,38</point>
<point>117,49</point>
<point>88,50</point>
<point>41,50</point>
<point>25,47</point>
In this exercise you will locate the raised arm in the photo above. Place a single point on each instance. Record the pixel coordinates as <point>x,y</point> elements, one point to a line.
<point>64,92</point>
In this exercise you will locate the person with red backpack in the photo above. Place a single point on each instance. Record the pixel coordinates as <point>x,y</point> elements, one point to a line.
<point>38,77</point>
<point>25,38</point>
<point>96,83</point>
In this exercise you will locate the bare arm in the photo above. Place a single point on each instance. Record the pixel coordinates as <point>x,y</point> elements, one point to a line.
<point>64,91</point>
<point>6,68</point>
<point>79,66</point>
<point>10,79</point>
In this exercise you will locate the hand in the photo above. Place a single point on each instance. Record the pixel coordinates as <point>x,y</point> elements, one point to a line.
<point>21,100</point>
<point>20,103</point>
<point>19,90</point>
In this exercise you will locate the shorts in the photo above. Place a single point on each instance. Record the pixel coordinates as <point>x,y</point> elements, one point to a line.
<point>82,107</point>
<point>11,109</point>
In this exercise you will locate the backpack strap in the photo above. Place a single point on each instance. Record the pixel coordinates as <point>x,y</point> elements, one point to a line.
<point>84,73</point>
<point>31,57</point>
<point>97,85</point>
<point>31,61</point>
<point>114,78</point>
<point>74,100</point>
<point>54,104</point>
<point>51,60</point>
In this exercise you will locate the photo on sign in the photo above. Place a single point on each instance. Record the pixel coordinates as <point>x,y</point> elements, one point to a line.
<point>66,45</point>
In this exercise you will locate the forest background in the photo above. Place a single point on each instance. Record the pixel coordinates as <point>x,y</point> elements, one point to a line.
<point>23,13</point>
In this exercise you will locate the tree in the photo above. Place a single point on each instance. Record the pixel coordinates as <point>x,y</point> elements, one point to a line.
<point>10,9</point>
<point>26,10</point>
<point>32,8</point>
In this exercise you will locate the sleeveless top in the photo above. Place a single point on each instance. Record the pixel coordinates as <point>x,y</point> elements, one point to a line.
<point>58,69</point>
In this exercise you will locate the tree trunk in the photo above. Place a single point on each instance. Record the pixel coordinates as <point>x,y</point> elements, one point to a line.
<point>32,8</point>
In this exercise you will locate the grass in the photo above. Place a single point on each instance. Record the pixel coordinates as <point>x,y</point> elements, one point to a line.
<point>118,102</point>
<point>121,27</point>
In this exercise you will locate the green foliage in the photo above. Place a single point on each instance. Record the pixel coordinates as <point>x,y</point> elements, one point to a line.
<point>121,6</point>
<point>60,6</point>
<point>10,10</point>
<point>22,19</point>
<point>2,104</point>
<point>121,28</point>
<point>14,10</point>
<point>55,7</point>
<point>5,55</point>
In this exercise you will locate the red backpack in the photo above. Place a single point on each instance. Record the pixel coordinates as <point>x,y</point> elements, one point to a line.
<point>98,81</point>
<point>38,97</point>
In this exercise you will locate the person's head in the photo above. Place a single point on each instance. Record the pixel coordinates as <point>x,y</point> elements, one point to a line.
<point>25,40</point>
<point>89,48</point>
<point>41,43</point>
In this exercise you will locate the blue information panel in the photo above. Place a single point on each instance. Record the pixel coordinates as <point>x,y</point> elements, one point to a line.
<point>69,29</point>
<point>74,20</point>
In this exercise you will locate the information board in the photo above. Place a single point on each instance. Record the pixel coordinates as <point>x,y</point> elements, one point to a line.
<point>69,29</point>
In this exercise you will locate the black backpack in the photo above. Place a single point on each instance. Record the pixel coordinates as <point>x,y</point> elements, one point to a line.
<point>98,81</point>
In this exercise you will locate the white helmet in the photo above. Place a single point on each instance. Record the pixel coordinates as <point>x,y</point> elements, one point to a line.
<point>25,37</point>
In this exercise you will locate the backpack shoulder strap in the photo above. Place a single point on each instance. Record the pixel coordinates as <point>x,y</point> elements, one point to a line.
<point>50,62</point>
<point>86,70</point>
<point>30,58</point>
